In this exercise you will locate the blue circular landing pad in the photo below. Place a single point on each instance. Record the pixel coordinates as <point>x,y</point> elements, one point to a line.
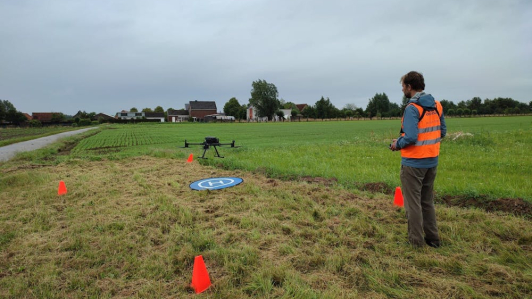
<point>215,183</point>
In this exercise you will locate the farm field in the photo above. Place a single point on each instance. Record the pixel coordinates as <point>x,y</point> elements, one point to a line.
<point>485,158</point>
<point>306,222</point>
<point>13,135</point>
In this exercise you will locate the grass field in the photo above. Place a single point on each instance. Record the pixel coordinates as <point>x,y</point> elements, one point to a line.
<point>131,227</point>
<point>481,157</point>
<point>13,135</point>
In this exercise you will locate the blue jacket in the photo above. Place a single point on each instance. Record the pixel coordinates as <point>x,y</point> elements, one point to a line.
<point>410,121</point>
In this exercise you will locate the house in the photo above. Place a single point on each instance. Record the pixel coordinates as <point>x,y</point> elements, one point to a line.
<point>219,117</point>
<point>27,116</point>
<point>102,116</point>
<point>252,115</point>
<point>44,117</point>
<point>128,115</point>
<point>199,109</point>
<point>300,107</point>
<point>177,115</point>
<point>140,115</point>
<point>287,114</point>
<point>154,115</point>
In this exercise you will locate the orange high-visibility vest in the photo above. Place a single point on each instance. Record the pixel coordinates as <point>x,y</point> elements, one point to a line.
<point>429,134</point>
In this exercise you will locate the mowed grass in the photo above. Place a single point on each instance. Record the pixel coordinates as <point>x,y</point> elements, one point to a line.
<point>130,226</point>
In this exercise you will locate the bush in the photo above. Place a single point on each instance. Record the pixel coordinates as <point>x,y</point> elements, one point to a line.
<point>35,123</point>
<point>85,122</point>
<point>95,122</point>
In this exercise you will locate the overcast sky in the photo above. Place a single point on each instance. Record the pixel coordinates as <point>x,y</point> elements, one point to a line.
<point>108,56</point>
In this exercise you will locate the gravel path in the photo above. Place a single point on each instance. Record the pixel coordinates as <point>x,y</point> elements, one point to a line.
<point>9,151</point>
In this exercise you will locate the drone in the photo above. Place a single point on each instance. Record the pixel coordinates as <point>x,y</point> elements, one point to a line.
<point>210,141</point>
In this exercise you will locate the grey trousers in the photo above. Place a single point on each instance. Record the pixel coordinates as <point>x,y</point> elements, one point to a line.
<point>417,186</point>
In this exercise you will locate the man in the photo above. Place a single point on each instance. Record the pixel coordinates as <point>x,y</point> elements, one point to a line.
<point>422,128</point>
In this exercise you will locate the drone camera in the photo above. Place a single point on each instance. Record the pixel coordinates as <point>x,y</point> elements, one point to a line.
<point>211,140</point>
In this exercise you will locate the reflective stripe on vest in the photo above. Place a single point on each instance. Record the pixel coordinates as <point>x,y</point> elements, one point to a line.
<point>429,134</point>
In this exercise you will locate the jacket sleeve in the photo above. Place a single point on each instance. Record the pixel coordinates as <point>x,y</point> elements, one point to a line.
<point>443,126</point>
<point>410,121</point>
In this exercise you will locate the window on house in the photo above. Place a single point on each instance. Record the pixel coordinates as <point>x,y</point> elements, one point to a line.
<point>123,114</point>
<point>138,114</point>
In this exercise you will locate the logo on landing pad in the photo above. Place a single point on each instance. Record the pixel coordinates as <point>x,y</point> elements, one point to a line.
<point>215,183</point>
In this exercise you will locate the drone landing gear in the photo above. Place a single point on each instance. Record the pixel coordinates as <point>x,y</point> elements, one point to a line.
<point>206,147</point>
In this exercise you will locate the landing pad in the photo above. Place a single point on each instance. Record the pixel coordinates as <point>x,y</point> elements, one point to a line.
<point>215,183</point>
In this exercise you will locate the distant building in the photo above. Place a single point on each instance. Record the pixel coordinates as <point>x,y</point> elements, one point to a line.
<point>199,109</point>
<point>174,116</point>
<point>44,117</point>
<point>300,107</point>
<point>154,115</point>
<point>128,115</point>
<point>103,116</point>
<point>27,116</point>
<point>252,115</point>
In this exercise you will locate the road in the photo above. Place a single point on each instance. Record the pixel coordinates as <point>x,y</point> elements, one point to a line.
<point>9,151</point>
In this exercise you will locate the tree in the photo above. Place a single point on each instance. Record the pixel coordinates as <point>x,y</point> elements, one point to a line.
<point>147,110</point>
<point>348,113</point>
<point>394,111</point>
<point>232,108</point>
<point>446,105</point>
<point>243,112</point>
<point>264,98</point>
<point>15,117</point>
<point>378,104</point>
<point>133,110</point>
<point>325,109</point>
<point>351,107</point>
<point>280,115</point>
<point>158,109</point>
<point>294,113</point>
<point>289,105</point>
<point>474,103</point>
<point>58,117</point>
<point>5,107</point>
<point>308,112</point>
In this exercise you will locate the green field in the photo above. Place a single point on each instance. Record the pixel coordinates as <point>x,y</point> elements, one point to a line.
<point>481,157</point>
<point>14,135</point>
<point>130,227</point>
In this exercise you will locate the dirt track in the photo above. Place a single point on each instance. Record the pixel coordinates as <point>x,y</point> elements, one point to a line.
<point>9,151</point>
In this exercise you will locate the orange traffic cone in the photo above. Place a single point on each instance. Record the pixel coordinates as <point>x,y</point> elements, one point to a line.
<point>200,276</point>
<point>62,188</point>
<point>190,158</point>
<point>398,197</point>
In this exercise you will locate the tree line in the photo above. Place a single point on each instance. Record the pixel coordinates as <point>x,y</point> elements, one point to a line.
<point>264,97</point>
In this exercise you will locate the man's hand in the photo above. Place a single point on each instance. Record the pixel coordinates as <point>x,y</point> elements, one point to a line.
<point>393,145</point>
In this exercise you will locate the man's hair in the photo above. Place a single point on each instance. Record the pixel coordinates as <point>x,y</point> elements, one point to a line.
<point>414,79</point>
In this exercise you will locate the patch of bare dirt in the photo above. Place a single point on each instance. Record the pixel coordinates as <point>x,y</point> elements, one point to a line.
<point>25,167</point>
<point>516,206</point>
<point>319,180</point>
<point>378,187</point>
